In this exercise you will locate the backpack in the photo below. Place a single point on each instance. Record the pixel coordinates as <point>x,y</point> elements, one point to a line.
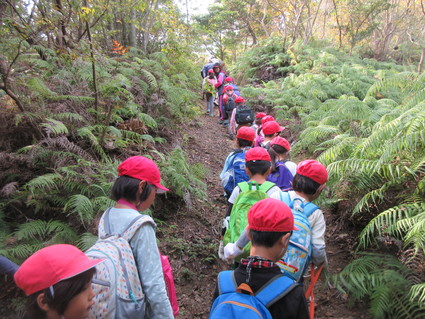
<point>116,284</point>
<point>298,255</point>
<point>239,214</point>
<point>169,284</point>
<point>230,105</point>
<point>234,171</point>
<point>244,114</point>
<point>234,302</point>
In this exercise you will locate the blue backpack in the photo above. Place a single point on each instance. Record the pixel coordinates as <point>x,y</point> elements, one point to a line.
<point>298,255</point>
<point>234,302</point>
<point>234,171</point>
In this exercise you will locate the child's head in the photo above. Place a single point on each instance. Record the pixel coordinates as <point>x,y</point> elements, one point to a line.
<point>228,90</point>
<point>270,224</point>
<point>258,117</point>
<point>139,179</point>
<point>272,129</point>
<point>245,137</point>
<point>310,178</point>
<point>239,100</point>
<point>267,118</point>
<point>211,73</point>
<point>58,280</point>
<point>279,148</point>
<point>228,80</point>
<point>258,162</point>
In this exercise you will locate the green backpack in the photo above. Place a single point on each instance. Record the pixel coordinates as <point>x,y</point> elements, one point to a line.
<point>239,214</point>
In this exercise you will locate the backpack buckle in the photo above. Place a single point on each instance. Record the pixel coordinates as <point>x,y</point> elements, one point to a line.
<point>245,289</point>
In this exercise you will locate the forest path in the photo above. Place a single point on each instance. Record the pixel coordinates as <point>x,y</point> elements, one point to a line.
<point>206,142</point>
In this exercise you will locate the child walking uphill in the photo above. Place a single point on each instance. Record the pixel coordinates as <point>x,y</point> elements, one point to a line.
<point>283,170</point>
<point>57,280</point>
<point>270,224</point>
<point>258,168</point>
<point>138,182</point>
<point>307,185</point>
<point>220,76</point>
<point>234,167</point>
<point>270,130</point>
<point>209,89</point>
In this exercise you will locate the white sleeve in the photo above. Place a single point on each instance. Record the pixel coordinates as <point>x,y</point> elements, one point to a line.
<point>234,195</point>
<point>318,228</point>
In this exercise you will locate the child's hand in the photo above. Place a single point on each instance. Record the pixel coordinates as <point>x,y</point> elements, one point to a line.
<point>231,251</point>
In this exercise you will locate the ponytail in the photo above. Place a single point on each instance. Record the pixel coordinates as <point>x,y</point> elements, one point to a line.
<point>273,155</point>
<point>274,152</point>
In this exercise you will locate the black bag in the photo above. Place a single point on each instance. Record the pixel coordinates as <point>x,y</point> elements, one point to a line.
<point>244,114</point>
<point>230,105</point>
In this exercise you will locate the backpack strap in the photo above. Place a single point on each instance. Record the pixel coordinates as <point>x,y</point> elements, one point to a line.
<point>286,198</point>
<point>226,282</point>
<point>309,208</point>
<point>278,287</point>
<point>244,186</point>
<point>266,186</point>
<point>129,231</point>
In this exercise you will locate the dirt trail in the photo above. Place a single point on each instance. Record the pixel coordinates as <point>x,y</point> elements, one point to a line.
<point>208,144</point>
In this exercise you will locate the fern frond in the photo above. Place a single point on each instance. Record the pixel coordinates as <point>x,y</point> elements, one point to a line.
<point>385,220</point>
<point>81,206</point>
<point>86,241</point>
<point>418,292</point>
<point>55,127</point>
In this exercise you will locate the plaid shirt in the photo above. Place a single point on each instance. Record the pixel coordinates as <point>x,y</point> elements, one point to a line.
<point>258,262</point>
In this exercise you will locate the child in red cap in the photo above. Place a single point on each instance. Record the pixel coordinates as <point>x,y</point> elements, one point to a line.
<point>230,82</point>
<point>258,165</point>
<point>57,280</point>
<point>271,129</point>
<point>139,180</point>
<point>259,138</point>
<point>308,183</point>
<point>229,104</point>
<point>283,170</point>
<point>208,86</point>
<point>270,224</point>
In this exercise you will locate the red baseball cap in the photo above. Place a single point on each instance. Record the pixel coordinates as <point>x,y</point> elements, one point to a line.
<point>144,169</point>
<point>267,118</point>
<point>260,115</point>
<point>257,154</point>
<point>228,79</point>
<point>271,215</point>
<point>50,265</point>
<point>272,127</point>
<point>246,133</point>
<point>210,71</point>
<point>239,99</point>
<point>227,88</point>
<point>282,142</point>
<point>313,170</point>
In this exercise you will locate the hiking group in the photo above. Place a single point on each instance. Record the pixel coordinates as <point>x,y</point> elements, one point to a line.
<point>271,230</point>
<point>270,235</point>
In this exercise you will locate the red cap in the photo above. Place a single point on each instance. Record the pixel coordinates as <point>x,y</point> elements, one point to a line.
<point>239,99</point>
<point>282,142</point>
<point>260,115</point>
<point>267,118</point>
<point>144,169</point>
<point>257,154</point>
<point>246,133</point>
<point>313,170</point>
<point>271,215</point>
<point>272,127</point>
<point>50,265</point>
<point>227,87</point>
<point>210,71</point>
<point>228,79</point>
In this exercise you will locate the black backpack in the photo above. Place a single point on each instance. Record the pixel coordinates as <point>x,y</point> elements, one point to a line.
<point>244,114</point>
<point>230,105</point>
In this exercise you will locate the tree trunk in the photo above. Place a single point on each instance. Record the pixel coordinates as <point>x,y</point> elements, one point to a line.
<point>421,62</point>
<point>132,35</point>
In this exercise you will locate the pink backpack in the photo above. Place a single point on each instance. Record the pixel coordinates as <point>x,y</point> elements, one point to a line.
<point>169,282</point>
